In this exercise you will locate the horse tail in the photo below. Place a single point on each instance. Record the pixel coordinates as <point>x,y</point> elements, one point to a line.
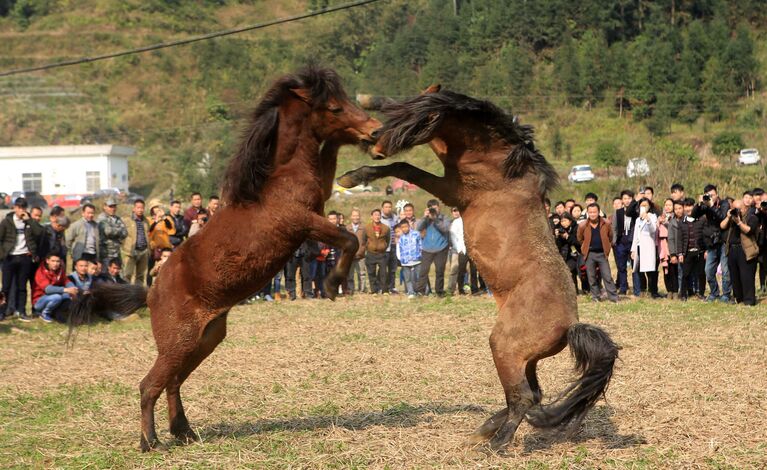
<point>121,298</point>
<point>595,354</point>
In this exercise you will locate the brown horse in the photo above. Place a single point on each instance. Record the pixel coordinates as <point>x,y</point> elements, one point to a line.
<point>274,191</point>
<point>497,178</point>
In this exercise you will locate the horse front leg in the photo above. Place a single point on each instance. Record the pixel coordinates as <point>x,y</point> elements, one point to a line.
<point>442,187</point>
<point>320,229</point>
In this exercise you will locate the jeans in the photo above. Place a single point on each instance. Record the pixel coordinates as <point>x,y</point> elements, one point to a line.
<point>622,255</point>
<point>17,270</point>
<point>440,260</point>
<point>391,268</point>
<point>714,256</point>
<point>317,272</point>
<point>49,302</point>
<point>599,259</point>
<point>294,263</point>
<point>409,272</point>
<point>376,264</point>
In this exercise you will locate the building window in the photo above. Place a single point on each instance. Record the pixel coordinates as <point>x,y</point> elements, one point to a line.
<point>92,181</point>
<point>32,182</point>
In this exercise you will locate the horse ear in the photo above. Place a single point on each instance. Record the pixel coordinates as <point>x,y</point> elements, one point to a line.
<point>302,94</point>
<point>434,88</point>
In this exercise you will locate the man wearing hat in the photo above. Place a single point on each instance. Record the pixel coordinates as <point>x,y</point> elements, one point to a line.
<point>112,233</point>
<point>19,235</point>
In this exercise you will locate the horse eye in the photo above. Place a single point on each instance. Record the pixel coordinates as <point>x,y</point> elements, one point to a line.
<point>336,110</point>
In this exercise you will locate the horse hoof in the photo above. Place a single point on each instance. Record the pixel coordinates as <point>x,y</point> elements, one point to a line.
<point>331,290</point>
<point>475,440</point>
<point>351,179</point>
<point>186,436</point>
<point>151,444</point>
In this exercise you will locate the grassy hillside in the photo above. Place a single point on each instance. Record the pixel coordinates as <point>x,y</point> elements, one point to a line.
<point>176,105</point>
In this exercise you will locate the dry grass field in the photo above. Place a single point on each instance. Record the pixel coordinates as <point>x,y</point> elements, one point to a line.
<point>388,383</point>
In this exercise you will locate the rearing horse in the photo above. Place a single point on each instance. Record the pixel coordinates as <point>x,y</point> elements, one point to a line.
<point>497,178</point>
<point>275,188</point>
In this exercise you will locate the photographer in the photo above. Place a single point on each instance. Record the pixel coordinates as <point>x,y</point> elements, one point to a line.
<point>435,229</point>
<point>19,234</point>
<point>715,210</point>
<point>742,227</point>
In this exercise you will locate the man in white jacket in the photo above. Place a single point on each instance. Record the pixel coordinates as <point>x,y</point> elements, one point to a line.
<point>459,258</point>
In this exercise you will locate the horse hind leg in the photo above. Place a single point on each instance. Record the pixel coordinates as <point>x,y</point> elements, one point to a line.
<point>150,388</point>
<point>212,335</point>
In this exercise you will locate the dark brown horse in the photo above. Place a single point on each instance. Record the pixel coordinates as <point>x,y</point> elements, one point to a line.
<point>498,179</point>
<point>274,191</point>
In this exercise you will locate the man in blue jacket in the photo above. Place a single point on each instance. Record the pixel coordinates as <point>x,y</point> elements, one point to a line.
<point>434,229</point>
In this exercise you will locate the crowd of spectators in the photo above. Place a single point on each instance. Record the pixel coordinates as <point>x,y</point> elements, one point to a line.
<point>689,242</point>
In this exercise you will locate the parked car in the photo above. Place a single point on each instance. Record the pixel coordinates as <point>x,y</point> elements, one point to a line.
<point>105,193</point>
<point>637,167</point>
<point>580,174</point>
<point>33,198</point>
<point>4,198</point>
<point>749,157</point>
<point>67,200</point>
<point>402,185</point>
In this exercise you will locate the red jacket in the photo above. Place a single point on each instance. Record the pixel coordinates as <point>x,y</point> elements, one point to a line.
<point>44,278</point>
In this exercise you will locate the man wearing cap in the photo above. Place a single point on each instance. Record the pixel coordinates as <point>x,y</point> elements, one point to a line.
<point>83,236</point>
<point>53,240</point>
<point>19,235</point>
<point>112,233</point>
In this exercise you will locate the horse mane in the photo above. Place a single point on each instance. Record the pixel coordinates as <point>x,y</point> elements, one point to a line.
<point>253,163</point>
<point>414,121</point>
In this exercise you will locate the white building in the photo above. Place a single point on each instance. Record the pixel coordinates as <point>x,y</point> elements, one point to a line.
<point>64,169</point>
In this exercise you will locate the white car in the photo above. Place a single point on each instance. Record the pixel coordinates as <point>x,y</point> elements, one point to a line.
<point>580,174</point>
<point>361,188</point>
<point>637,167</point>
<point>749,157</point>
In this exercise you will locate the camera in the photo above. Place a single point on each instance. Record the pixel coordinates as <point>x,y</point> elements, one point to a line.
<point>432,211</point>
<point>763,206</point>
<point>735,212</point>
<point>706,198</point>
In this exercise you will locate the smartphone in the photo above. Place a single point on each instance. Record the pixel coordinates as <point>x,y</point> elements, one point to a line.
<point>643,210</point>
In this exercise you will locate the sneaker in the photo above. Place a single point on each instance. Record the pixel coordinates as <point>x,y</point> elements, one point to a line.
<point>46,317</point>
<point>710,298</point>
<point>268,298</point>
<point>411,296</point>
<point>24,317</point>
<point>726,300</point>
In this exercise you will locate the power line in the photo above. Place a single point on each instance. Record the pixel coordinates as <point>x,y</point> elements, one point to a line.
<point>190,40</point>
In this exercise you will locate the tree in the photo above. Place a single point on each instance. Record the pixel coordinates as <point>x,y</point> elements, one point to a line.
<point>567,71</point>
<point>608,154</point>
<point>593,67</point>
<point>714,88</point>
<point>739,61</point>
<point>727,143</point>
<point>556,144</point>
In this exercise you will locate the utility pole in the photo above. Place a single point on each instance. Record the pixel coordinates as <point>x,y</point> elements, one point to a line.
<point>455,7</point>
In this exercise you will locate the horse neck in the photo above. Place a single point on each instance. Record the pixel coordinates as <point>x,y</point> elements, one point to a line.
<point>297,143</point>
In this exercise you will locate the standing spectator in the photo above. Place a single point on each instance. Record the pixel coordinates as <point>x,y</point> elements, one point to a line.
<point>687,245</point>
<point>198,223</point>
<point>649,194</point>
<point>624,236</point>
<point>341,221</point>
<point>190,214</point>
<point>164,255</point>
<point>391,220</point>
<point>559,208</point>
<point>178,222</point>
<point>408,252</point>
<point>643,249</point>
<point>299,260</point>
<point>455,242</point>
<point>435,229</point>
<point>357,271</point>
<point>19,235</point>
<point>670,275</point>
<point>36,214</point>
<point>715,211</point>
<point>213,205</point>
<point>135,249</point>
<point>458,245</point>
<point>409,214</point>
<point>50,289</point>
<point>83,235</point>
<point>112,233</point>
<point>377,238</point>
<point>160,231</point>
<point>567,241</point>
<point>577,213</point>
<point>592,198</point>
<point>594,237</point>
<point>741,228</point>
<point>53,239</point>
<point>760,198</point>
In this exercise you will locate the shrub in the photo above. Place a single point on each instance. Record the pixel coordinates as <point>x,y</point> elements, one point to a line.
<point>727,143</point>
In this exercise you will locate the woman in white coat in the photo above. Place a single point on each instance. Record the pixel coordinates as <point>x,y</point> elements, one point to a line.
<point>643,248</point>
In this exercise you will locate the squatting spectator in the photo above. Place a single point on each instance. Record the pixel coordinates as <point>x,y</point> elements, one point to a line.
<point>50,291</point>
<point>377,238</point>
<point>135,249</point>
<point>594,237</point>
<point>112,232</point>
<point>435,229</point>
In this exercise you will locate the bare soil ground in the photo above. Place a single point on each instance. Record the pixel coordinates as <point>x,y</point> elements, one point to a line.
<point>388,383</point>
